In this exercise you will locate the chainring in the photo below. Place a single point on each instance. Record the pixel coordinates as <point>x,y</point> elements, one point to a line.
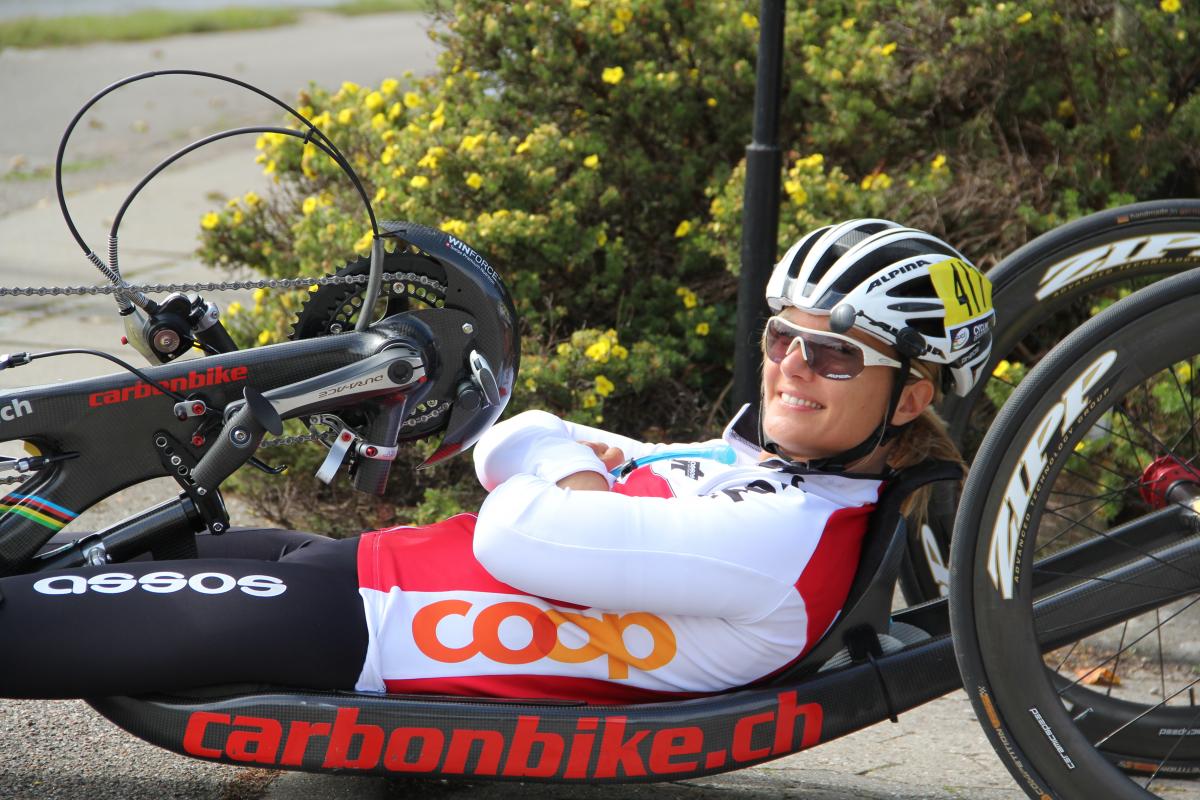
<point>334,308</point>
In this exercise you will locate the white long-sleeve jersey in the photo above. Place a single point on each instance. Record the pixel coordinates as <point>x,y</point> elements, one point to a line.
<point>691,576</point>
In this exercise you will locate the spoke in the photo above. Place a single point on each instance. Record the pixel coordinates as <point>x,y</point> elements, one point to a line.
<point>1134,642</point>
<point>1162,669</point>
<point>1150,434</point>
<point>1178,741</point>
<point>1154,707</point>
<point>1067,657</point>
<point>1117,662</point>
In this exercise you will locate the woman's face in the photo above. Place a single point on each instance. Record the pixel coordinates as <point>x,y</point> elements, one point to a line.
<point>809,416</point>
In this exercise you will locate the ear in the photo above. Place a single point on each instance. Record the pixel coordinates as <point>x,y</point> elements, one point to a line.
<point>914,398</point>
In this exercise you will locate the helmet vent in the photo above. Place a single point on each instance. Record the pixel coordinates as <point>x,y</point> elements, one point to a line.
<point>920,286</point>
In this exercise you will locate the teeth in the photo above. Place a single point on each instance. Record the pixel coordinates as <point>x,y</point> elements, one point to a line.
<point>791,400</point>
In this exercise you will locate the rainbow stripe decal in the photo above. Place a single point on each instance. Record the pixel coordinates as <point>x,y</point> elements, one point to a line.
<point>40,510</point>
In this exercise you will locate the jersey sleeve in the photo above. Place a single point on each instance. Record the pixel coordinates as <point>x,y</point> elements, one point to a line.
<point>718,556</point>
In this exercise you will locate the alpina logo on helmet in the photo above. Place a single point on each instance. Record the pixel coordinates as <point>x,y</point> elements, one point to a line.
<point>896,272</point>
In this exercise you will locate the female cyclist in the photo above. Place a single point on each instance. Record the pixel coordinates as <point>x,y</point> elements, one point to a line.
<point>599,568</point>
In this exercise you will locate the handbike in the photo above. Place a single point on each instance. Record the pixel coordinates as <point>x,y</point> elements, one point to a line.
<point>442,370</point>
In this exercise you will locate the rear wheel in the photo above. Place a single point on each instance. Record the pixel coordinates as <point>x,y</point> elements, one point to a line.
<point>1075,598</point>
<point>1050,285</point>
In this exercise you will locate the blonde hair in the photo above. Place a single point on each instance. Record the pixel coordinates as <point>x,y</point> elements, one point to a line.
<point>924,438</point>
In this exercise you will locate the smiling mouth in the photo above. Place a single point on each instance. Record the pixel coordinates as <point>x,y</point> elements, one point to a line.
<point>799,402</point>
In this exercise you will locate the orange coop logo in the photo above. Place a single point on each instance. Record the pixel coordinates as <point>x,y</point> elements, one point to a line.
<point>605,636</point>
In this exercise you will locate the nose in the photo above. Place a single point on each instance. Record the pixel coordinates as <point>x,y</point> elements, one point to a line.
<point>795,363</point>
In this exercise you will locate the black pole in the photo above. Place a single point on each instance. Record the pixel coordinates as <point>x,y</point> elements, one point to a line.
<point>760,208</point>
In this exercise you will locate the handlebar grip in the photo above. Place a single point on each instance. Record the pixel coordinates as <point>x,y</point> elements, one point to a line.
<point>233,448</point>
<point>216,337</point>
<point>371,475</point>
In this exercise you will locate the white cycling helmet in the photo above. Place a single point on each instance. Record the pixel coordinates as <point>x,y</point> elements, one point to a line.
<point>904,286</point>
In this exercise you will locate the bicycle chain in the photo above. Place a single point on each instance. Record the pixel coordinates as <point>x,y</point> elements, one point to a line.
<point>223,286</point>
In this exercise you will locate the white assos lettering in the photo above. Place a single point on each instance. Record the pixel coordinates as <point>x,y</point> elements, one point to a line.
<point>1010,517</point>
<point>14,409</point>
<point>1110,256</point>
<point>162,583</point>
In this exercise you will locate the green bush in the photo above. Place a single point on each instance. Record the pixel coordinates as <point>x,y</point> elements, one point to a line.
<point>593,151</point>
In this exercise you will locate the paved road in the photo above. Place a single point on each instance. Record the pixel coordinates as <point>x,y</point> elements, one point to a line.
<point>62,749</point>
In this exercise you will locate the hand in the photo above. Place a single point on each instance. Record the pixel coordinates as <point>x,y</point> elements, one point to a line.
<point>612,457</point>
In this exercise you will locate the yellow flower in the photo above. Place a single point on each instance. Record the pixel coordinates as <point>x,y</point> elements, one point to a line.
<point>612,75</point>
<point>1170,6</point>
<point>210,221</point>
<point>749,20</point>
<point>880,181</point>
<point>711,102</point>
<point>412,99</point>
<point>239,217</point>
<point>374,101</point>
<point>472,142</point>
<point>564,349</point>
<point>620,352</point>
<point>419,182</point>
<point>687,296</point>
<point>345,116</point>
<point>379,121</point>
<point>437,124</point>
<point>264,337</point>
<point>1184,371</point>
<point>454,227</point>
<point>683,229</point>
<point>624,14</point>
<point>309,205</point>
<point>581,3</point>
<point>363,245</point>
<point>939,161</point>
<point>599,350</point>
<point>796,192</point>
<point>530,385</point>
<point>474,180</point>
<point>1002,369</point>
<point>269,169</point>
<point>389,86</point>
<point>888,49</point>
<point>617,27</point>
<point>592,161</point>
<point>601,239</point>
<point>395,110</point>
<point>702,329</point>
<point>258,296</point>
<point>1135,132</point>
<point>1066,109</point>
<point>848,23</point>
<point>1028,15</point>
<point>234,309</point>
<point>604,386</point>
<point>589,400</point>
<point>380,194</point>
<point>350,87</point>
<point>811,162</point>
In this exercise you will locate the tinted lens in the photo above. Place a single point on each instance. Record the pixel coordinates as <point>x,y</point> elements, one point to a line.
<point>827,356</point>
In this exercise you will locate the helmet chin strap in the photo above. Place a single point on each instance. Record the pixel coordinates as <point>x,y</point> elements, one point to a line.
<point>840,462</point>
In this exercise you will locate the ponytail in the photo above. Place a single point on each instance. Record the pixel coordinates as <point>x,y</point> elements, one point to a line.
<point>922,439</point>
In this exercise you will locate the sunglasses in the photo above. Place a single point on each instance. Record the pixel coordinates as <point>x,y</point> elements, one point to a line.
<point>830,355</point>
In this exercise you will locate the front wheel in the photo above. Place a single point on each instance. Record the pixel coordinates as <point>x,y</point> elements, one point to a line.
<point>1075,562</point>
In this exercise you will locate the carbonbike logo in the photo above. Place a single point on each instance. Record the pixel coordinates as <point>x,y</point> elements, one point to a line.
<point>213,376</point>
<point>1116,255</point>
<point>162,583</point>
<point>605,636</point>
<point>1037,715</point>
<point>15,409</point>
<point>1008,535</point>
<point>593,746</point>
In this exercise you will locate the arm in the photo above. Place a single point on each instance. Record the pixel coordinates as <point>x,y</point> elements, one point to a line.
<point>699,556</point>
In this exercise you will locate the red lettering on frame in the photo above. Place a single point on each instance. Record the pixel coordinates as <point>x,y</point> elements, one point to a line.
<point>743,735</point>
<point>492,746</point>
<point>345,729</point>
<point>616,750</point>
<point>812,715</point>
<point>193,735</point>
<point>395,758</point>
<point>260,746</point>
<point>299,732</point>
<point>672,742</point>
<point>523,740</point>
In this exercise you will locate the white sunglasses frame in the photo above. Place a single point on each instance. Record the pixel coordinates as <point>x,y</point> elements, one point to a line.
<point>871,356</point>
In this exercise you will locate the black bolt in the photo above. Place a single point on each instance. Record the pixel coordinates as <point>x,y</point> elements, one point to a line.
<point>401,372</point>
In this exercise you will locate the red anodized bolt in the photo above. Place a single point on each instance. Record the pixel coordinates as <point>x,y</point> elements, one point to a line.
<point>372,452</point>
<point>345,436</point>
<point>197,408</point>
<point>197,441</point>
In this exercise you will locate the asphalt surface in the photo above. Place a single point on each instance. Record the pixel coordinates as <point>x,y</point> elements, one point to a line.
<point>62,749</point>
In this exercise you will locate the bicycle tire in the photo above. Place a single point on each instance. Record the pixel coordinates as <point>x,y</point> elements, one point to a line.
<point>1030,286</point>
<point>1051,747</point>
